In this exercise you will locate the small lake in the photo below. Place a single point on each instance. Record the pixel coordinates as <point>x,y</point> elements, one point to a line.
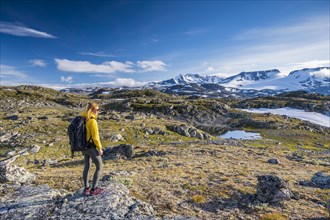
<point>313,117</point>
<point>242,135</point>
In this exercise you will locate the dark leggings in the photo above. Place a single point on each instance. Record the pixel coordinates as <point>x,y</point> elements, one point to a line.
<point>92,155</point>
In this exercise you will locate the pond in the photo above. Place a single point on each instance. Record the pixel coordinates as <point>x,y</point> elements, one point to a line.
<point>313,117</point>
<point>242,135</point>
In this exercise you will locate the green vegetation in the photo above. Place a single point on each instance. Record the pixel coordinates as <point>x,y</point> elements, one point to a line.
<point>194,173</point>
<point>273,216</point>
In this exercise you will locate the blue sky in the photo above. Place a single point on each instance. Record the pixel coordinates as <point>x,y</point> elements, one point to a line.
<point>71,43</point>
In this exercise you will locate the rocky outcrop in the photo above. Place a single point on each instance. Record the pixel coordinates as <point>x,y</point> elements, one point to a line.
<point>155,130</point>
<point>318,180</point>
<point>28,202</point>
<point>123,150</point>
<point>43,202</point>
<point>321,180</point>
<point>115,137</point>
<point>34,148</point>
<point>272,189</point>
<point>187,131</point>
<point>114,203</point>
<point>13,173</point>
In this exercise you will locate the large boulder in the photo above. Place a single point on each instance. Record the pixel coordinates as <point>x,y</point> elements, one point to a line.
<point>123,150</point>
<point>272,189</point>
<point>321,180</point>
<point>43,202</point>
<point>13,173</point>
<point>28,202</point>
<point>114,203</point>
<point>187,131</point>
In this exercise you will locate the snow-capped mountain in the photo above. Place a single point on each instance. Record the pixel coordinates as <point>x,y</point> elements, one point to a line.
<point>244,84</point>
<point>268,82</point>
<point>247,78</point>
<point>190,78</point>
<point>310,79</point>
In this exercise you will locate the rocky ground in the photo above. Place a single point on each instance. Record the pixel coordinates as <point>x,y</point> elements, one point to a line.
<point>161,161</point>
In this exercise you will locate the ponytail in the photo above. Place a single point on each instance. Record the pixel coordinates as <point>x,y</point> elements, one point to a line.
<point>91,106</point>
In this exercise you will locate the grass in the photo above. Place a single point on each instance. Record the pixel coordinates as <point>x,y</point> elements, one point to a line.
<point>193,176</point>
<point>273,216</point>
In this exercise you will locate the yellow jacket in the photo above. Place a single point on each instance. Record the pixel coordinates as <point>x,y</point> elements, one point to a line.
<point>92,130</point>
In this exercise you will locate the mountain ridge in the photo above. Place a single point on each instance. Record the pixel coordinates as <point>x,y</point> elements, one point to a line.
<point>314,80</point>
<point>243,85</point>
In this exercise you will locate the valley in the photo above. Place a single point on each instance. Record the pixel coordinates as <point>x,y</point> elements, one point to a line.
<point>180,166</point>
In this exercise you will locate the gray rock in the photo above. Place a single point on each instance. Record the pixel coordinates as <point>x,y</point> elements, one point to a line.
<point>272,189</point>
<point>12,117</point>
<point>48,162</point>
<point>114,203</point>
<point>155,130</point>
<point>10,153</point>
<point>321,180</point>
<point>116,137</point>
<point>273,161</point>
<point>187,131</point>
<point>43,202</point>
<point>8,136</point>
<point>125,150</point>
<point>328,206</point>
<point>43,118</point>
<point>28,202</point>
<point>34,149</point>
<point>13,173</point>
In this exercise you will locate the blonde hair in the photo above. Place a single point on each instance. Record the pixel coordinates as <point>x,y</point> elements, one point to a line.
<point>91,107</point>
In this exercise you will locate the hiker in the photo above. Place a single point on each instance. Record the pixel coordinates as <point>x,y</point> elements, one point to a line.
<point>94,150</point>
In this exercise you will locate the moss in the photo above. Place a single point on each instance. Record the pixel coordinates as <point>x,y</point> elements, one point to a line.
<point>273,216</point>
<point>198,199</point>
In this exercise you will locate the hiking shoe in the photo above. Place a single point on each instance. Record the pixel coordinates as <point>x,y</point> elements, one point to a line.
<point>96,191</point>
<point>87,192</point>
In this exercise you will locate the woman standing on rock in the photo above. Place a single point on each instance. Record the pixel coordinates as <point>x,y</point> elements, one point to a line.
<point>94,151</point>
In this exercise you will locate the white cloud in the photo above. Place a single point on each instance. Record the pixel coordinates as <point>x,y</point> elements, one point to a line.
<point>66,79</point>
<point>210,68</point>
<point>109,66</point>
<point>119,82</point>
<point>11,72</point>
<point>276,47</point>
<point>124,82</point>
<point>21,30</point>
<point>40,63</point>
<point>97,54</point>
<point>87,67</point>
<point>149,66</point>
<point>322,73</point>
<point>308,29</point>
<point>11,76</point>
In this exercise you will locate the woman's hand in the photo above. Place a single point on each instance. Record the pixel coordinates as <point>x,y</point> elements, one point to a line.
<point>100,152</point>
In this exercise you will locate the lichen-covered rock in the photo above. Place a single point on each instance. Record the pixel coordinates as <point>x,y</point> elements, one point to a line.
<point>187,131</point>
<point>124,150</point>
<point>321,180</point>
<point>272,189</point>
<point>43,202</point>
<point>28,202</point>
<point>273,161</point>
<point>114,203</point>
<point>13,173</point>
<point>34,148</point>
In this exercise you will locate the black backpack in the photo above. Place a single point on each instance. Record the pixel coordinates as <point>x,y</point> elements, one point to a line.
<point>77,134</point>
